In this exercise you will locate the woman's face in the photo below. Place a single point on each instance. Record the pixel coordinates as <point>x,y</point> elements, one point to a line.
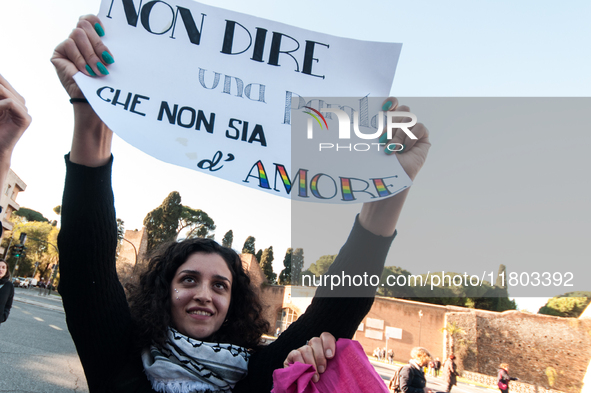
<point>200,295</point>
<point>3,269</point>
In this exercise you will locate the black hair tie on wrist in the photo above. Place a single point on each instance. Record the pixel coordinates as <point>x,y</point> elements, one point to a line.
<point>78,101</point>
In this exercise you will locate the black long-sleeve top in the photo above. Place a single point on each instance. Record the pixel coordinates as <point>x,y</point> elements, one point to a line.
<point>6,296</point>
<point>412,379</point>
<point>99,318</point>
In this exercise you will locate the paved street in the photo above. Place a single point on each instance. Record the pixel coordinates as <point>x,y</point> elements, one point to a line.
<point>36,351</point>
<point>386,371</point>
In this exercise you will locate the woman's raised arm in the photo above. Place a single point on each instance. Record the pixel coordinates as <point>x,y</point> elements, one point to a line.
<point>380,217</point>
<point>84,51</point>
<point>14,120</point>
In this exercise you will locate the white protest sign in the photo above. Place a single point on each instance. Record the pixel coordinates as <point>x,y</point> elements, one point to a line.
<point>212,90</point>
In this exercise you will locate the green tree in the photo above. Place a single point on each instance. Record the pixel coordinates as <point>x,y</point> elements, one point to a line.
<point>267,265</point>
<point>438,288</point>
<point>502,277</point>
<point>120,235</point>
<point>58,210</point>
<point>454,332</point>
<point>170,218</point>
<point>285,275</point>
<point>248,247</point>
<point>196,223</point>
<point>30,215</point>
<point>310,281</point>
<point>120,230</point>
<point>297,264</point>
<point>322,264</point>
<point>162,223</point>
<point>228,239</point>
<point>570,305</point>
<point>40,247</point>
<point>258,255</point>
<point>392,286</point>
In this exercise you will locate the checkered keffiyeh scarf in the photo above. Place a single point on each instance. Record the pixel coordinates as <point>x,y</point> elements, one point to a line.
<point>185,365</point>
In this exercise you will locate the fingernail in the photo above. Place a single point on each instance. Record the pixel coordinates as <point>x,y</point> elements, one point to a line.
<point>102,68</point>
<point>321,369</point>
<point>401,150</point>
<point>99,29</point>
<point>390,149</point>
<point>383,138</point>
<point>315,378</point>
<point>329,353</point>
<point>387,105</point>
<point>108,58</point>
<point>90,71</point>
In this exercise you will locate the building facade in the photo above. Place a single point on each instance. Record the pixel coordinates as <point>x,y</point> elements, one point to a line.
<point>13,186</point>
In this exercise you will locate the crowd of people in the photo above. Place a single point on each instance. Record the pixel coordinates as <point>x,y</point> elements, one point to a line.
<point>383,354</point>
<point>411,378</point>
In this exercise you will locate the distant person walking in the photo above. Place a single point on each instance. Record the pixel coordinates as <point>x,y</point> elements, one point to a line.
<point>412,377</point>
<point>504,378</point>
<point>450,373</point>
<point>431,368</point>
<point>437,366</point>
<point>6,291</point>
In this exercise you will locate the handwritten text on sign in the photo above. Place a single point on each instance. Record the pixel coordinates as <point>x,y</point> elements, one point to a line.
<point>213,90</point>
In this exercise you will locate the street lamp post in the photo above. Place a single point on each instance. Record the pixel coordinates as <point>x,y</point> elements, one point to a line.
<point>420,318</point>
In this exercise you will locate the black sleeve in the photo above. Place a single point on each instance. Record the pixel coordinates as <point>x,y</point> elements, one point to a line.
<point>96,308</point>
<point>363,253</point>
<point>8,304</point>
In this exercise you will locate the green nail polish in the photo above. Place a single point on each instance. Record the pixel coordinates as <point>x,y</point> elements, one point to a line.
<point>387,105</point>
<point>390,146</point>
<point>99,29</point>
<point>108,58</point>
<point>102,68</point>
<point>383,138</point>
<point>90,71</point>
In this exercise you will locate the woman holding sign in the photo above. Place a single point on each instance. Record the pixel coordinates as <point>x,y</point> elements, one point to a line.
<point>193,323</point>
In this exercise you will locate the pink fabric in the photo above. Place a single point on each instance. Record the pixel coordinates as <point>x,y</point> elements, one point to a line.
<point>348,372</point>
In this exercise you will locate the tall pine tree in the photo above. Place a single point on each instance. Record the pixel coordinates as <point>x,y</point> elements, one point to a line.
<point>267,265</point>
<point>297,265</point>
<point>228,239</point>
<point>248,247</point>
<point>166,221</point>
<point>162,223</point>
<point>285,275</point>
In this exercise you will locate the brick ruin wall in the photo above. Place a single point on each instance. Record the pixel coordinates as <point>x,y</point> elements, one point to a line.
<point>403,315</point>
<point>543,351</point>
<point>546,353</point>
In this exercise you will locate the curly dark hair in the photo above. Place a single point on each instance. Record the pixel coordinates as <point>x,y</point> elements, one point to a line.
<point>151,305</point>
